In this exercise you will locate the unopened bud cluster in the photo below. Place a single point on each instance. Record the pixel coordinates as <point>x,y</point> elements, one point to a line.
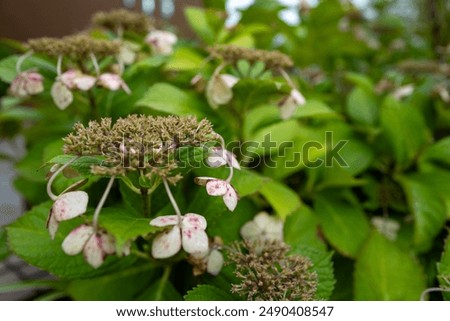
<point>121,19</point>
<point>77,47</point>
<point>268,273</point>
<point>232,54</point>
<point>138,141</point>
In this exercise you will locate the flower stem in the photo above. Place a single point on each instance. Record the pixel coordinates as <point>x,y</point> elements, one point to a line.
<point>21,60</point>
<point>145,201</point>
<point>163,281</point>
<point>172,199</point>
<point>58,65</point>
<point>52,196</point>
<point>101,203</point>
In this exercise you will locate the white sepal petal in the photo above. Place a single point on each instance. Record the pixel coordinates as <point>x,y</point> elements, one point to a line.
<point>167,244</point>
<point>216,187</point>
<point>52,225</point>
<point>74,243</point>
<point>70,205</point>
<point>107,243</point>
<point>192,220</point>
<point>84,82</point>
<point>231,198</point>
<point>165,220</point>
<point>194,240</point>
<point>215,262</point>
<point>62,96</point>
<point>93,252</point>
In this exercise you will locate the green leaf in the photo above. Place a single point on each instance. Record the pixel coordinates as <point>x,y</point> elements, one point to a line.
<point>184,58</point>
<point>82,164</point>
<point>258,118</point>
<point>20,113</point>
<point>385,272</point>
<point>166,98</point>
<point>443,268</point>
<point>362,106</point>
<point>282,199</point>
<point>4,251</point>
<point>118,286</point>
<point>205,292</point>
<point>345,226</point>
<point>124,225</point>
<point>438,153</point>
<point>249,93</point>
<point>29,239</point>
<point>160,290</point>
<point>427,207</point>
<point>361,81</point>
<point>323,266</point>
<point>404,130</point>
<point>314,109</point>
<point>198,20</point>
<point>301,228</point>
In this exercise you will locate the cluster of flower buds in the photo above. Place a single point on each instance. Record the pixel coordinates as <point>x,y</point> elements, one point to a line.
<point>219,88</point>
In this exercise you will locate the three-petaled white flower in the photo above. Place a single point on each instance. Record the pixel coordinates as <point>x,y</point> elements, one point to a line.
<point>67,206</point>
<point>289,104</point>
<point>113,82</point>
<point>95,245</point>
<point>75,79</point>
<point>263,227</point>
<point>26,83</point>
<point>162,42</point>
<point>219,187</point>
<point>219,156</point>
<point>187,231</point>
<point>219,89</point>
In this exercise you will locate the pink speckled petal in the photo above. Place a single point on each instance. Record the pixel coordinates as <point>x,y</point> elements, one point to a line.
<point>74,243</point>
<point>230,198</point>
<point>167,244</point>
<point>194,240</point>
<point>216,187</point>
<point>165,220</point>
<point>93,252</point>
<point>107,243</point>
<point>192,220</point>
<point>70,205</point>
